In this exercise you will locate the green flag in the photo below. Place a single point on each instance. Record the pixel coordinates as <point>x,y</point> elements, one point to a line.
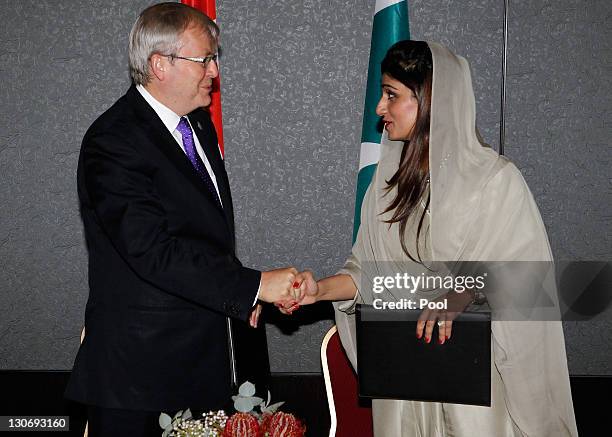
<point>389,26</point>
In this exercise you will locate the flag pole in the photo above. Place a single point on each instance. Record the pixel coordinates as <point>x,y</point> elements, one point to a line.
<point>502,121</point>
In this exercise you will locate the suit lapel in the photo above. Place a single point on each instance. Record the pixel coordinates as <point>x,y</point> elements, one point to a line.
<point>205,131</point>
<point>163,139</point>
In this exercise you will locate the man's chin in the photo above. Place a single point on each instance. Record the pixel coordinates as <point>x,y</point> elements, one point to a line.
<point>205,102</point>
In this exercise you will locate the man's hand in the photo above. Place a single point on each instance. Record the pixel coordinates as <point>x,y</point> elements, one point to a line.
<point>279,285</point>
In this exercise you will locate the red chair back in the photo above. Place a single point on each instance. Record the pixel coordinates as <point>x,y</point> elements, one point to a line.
<point>348,417</point>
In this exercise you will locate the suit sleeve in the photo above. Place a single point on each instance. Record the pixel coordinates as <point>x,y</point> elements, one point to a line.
<point>122,195</point>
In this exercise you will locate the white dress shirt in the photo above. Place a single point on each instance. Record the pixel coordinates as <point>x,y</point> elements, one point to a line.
<point>171,121</point>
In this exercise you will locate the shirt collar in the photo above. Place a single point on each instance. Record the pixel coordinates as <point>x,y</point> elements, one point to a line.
<point>167,115</point>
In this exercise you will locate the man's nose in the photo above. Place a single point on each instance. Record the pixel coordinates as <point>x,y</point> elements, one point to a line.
<point>212,69</point>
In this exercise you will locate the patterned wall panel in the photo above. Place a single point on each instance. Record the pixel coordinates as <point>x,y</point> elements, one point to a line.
<point>61,64</point>
<point>559,133</point>
<point>293,77</point>
<point>472,29</point>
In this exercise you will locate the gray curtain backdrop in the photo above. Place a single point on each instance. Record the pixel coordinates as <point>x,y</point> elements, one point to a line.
<point>293,77</point>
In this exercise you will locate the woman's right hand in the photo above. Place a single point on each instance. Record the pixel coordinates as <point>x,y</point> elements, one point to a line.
<point>308,289</point>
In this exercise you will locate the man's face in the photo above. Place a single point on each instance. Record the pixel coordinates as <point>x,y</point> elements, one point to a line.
<point>190,83</point>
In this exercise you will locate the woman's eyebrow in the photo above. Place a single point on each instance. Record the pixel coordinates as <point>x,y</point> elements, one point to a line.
<point>386,85</point>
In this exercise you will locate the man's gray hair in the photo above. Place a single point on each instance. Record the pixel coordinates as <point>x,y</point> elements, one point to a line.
<point>158,30</point>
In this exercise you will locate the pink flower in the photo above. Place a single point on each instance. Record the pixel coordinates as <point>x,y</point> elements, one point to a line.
<point>242,425</point>
<point>282,425</point>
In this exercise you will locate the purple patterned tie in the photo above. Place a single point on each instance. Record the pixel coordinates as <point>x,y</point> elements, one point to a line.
<point>189,145</point>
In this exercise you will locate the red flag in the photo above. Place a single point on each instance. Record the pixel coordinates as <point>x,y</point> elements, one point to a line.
<point>210,9</point>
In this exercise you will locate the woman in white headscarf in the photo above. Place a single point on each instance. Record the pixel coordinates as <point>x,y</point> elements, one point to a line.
<point>443,196</point>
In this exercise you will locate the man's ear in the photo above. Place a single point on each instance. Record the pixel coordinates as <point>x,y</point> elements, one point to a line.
<point>158,65</point>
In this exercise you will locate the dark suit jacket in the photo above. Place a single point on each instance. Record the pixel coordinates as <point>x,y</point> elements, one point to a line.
<point>163,274</point>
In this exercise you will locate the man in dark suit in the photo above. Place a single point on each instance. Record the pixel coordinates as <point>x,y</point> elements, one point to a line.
<point>157,212</point>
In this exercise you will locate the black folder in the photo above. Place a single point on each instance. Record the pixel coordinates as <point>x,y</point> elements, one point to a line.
<point>393,364</point>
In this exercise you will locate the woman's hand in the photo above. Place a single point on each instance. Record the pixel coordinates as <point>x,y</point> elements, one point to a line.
<point>307,290</point>
<point>308,286</point>
<point>455,304</point>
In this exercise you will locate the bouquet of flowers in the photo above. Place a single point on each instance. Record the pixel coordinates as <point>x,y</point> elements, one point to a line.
<point>247,422</point>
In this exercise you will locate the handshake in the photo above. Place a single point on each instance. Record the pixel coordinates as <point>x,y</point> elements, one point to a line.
<point>288,289</point>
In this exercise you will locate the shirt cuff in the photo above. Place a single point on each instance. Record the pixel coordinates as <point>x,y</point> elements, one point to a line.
<point>257,295</point>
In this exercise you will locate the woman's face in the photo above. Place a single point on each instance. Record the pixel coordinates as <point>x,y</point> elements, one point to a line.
<point>398,108</point>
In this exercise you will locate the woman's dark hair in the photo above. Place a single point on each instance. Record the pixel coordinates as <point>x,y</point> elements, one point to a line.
<point>410,63</point>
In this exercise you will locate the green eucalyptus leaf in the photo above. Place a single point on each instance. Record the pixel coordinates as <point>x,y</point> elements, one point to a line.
<point>247,389</point>
<point>256,401</point>
<point>252,403</point>
<point>269,398</point>
<point>164,420</point>
<point>187,414</point>
<point>244,405</point>
<point>272,408</point>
